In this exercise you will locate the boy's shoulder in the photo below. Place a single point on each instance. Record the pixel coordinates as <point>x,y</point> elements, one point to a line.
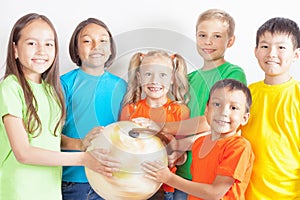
<point>260,85</point>
<point>227,66</point>
<point>69,74</point>
<point>114,77</point>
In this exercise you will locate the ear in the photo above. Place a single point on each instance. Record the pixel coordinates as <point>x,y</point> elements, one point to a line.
<point>231,41</point>
<point>15,50</point>
<point>255,52</point>
<point>245,119</point>
<point>206,111</point>
<point>296,54</point>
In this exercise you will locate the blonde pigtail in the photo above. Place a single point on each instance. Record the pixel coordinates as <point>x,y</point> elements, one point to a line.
<point>180,87</point>
<point>134,89</point>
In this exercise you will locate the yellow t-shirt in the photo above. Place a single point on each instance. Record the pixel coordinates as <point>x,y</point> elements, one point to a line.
<point>274,133</point>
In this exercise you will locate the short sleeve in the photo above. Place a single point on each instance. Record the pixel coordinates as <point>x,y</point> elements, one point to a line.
<point>238,74</point>
<point>180,111</point>
<point>11,98</point>
<point>238,158</point>
<point>126,112</point>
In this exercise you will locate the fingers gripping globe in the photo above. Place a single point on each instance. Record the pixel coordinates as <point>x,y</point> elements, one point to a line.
<point>130,149</point>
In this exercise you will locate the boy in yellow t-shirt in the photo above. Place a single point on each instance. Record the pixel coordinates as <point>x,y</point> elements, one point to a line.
<point>273,128</point>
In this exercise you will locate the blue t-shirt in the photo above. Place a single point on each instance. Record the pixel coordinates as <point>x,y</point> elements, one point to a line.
<point>90,101</point>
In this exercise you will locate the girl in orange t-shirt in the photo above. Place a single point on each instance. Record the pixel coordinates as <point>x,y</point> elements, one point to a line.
<point>161,80</point>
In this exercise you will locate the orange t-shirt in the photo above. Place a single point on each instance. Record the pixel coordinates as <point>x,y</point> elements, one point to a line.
<point>169,112</point>
<point>231,156</point>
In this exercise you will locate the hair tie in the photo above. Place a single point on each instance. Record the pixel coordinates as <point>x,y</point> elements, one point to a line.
<point>173,56</point>
<point>142,55</point>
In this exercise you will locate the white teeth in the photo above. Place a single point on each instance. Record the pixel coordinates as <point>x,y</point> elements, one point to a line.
<point>96,55</point>
<point>221,122</point>
<point>154,89</point>
<point>40,61</point>
<point>272,63</point>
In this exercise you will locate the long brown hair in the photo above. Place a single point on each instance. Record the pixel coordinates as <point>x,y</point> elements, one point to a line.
<point>50,76</point>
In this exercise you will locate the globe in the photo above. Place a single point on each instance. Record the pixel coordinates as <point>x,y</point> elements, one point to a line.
<point>131,145</point>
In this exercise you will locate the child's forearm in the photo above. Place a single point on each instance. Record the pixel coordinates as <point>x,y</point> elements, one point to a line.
<point>68,143</point>
<point>186,127</point>
<point>185,144</point>
<point>216,190</point>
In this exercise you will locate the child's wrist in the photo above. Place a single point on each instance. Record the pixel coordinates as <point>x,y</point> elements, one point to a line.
<point>182,159</point>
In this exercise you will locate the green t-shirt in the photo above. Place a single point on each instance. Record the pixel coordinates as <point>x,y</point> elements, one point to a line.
<point>200,83</point>
<point>21,181</point>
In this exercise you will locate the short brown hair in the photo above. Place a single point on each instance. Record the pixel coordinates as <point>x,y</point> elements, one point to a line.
<point>233,85</point>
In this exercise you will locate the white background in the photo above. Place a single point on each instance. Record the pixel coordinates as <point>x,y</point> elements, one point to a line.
<point>177,17</point>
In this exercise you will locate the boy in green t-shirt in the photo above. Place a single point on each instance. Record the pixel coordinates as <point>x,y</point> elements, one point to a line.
<point>214,34</point>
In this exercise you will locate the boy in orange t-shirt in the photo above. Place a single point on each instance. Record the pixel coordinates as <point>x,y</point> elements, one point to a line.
<point>221,161</point>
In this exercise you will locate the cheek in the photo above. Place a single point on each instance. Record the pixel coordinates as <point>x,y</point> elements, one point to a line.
<point>82,52</point>
<point>52,52</point>
<point>167,83</point>
<point>144,80</point>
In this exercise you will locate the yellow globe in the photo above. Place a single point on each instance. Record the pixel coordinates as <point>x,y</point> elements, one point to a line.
<point>131,148</point>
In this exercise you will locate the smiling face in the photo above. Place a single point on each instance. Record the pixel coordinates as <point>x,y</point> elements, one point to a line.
<point>156,77</point>
<point>35,49</point>
<point>226,111</point>
<point>93,47</point>
<point>212,40</point>
<point>275,54</point>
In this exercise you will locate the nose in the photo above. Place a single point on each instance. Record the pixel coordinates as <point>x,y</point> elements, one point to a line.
<point>224,111</point>
<point>155,78</point>
<point>272,52</point>
<point>208,41</point>
<point>98,45</point>
<point>40,49</point>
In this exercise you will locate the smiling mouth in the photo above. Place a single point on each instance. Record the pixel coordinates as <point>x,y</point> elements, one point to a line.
<point>273,63</point>
<point>208,50</point>
<point>221,122</point>
<point>40,61</point>
<point>96,55</point>
<point>154,89</point>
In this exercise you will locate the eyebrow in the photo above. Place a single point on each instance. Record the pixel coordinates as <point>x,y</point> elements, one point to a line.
<point>33,38</point>
<point>90,35</point>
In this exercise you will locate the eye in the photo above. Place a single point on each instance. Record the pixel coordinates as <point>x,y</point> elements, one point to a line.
<point>218,36</point>
<point>235,108</point>
<point>263,46</point>
<point>282,47</point>
<point>216,104</point>
<point>104,40</point>
<point>147,74</point>
<point>50,44</point>
<point>201,35</point>
<point>163,75</point>
<point>31,43</point>
<point>87,41</point>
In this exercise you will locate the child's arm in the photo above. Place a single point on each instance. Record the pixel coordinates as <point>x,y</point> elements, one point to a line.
<point>178,147</point>
<point>187,127</point>
<point>96,160</point>
<point>179,128</point>
<point>158,172</point>
<point>68,143</point>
